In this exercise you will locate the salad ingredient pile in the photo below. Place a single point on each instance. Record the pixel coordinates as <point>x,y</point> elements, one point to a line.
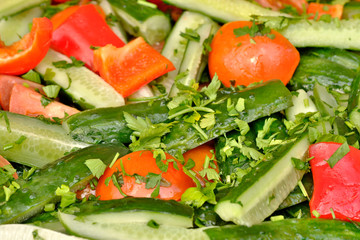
<point>202,119</point>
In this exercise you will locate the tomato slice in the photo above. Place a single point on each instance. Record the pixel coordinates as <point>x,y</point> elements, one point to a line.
<point>141,163</point>
<point>319,9</point>
<point>7,82</point>
<point>26,101</point>
<point>199,155</point>
<point>336,189</point>
<point>129,68</point>
<point>242,60</point>
<point>25,54</point>
<point>82,30</point>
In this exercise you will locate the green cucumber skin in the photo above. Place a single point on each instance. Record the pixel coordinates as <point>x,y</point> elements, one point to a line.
<point>134,205</point>
<point>11,7</point>
<point>232,10</point>
<point>40,188</point>
<point>344,34</point>
<point>295,229</point>
<point>44,142</point>
<point>260,101</point>
<point>351,10</point>
<point>313,69</point>
<point>109,125</point>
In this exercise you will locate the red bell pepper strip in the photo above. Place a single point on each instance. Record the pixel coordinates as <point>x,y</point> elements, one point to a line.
<point>83,29</point>
<point>26,53</point>
<point>129,68</point>
<point>337,189</point>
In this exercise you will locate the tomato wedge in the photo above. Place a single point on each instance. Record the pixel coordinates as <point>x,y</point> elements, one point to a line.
<point>26,53</point>
<point>138,165</point>
<point>337,189</point>
<point>129,68</point>
<point>7,82</point>
<point>26,101</point>
<point>319,9</point>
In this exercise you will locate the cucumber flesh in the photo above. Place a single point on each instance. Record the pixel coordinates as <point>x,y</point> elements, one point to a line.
<point>263,189</point>
<point>194,60</point>
<point>302,104</point>
<point>11,7</point>
<point>86,88</point>
<point>16,26</point>
<point>343,34</point>
<point>232,10</point>
<point>43,144</point>
<point>175,45</point>
<point>141,20</point>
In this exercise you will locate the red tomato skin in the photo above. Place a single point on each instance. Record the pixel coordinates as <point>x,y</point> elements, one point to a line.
<point>334,10</point>
<point>142,163</point>
<point>238,59</point>
<point>83,29</point>
<point>129,68</point>
<point>25,54</point>
<point>338,187</point>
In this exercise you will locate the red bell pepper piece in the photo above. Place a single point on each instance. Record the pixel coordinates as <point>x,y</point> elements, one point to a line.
<point>26,53</point>
<point>83,29</point>
<point>336,189</point>
<point>129,68</point>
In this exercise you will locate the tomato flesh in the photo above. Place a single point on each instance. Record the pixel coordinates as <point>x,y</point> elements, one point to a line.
<point>244,60</point>
<point>142,163</point>
<point>25,54</point>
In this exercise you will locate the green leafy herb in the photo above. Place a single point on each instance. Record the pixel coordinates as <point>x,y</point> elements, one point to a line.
<point>64,64</point>
<point>49,74</point>
<point>111,19</point>
<point>153,224</point>
<point>96,166</point>
<point>338,154</point>
<point>299,164</point>
<point>189,164</point>
<point>51,91</point>
<point>67,197</point>
<point>32,76</point>
<point>255,30</point>
<point>190,34</point>
<point>45,101</point>
<point>197,196</point>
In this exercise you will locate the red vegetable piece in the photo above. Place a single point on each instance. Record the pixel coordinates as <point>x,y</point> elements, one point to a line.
<point>129,68</point>
<point>319,9</point>
<point>26,53</point>
<point>336,188</point>
<point>26,101</point>
<point>4,162</point>
<point>82,30</point>
<point>7,82</point>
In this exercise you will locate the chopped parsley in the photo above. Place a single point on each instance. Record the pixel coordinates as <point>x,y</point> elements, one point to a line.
<point>52,91</point>
<point>65,64</point>
<point>32,76</point>
<point>338,154</point>
<point>191,35</point>
<point>96,166</point>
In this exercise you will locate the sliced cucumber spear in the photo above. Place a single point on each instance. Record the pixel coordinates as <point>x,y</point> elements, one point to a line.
<point>39,189</point>
<point>11,7</point>
<point>176,45</point>
<point>142,20</point>
<point>86,88</point>
<point>33,142</point>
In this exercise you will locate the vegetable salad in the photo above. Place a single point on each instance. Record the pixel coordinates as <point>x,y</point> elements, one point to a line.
<point>202,119</point>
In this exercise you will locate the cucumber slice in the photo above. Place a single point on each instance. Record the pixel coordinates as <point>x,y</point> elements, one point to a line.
<point>43,142</point>
<point>175,45</point>
<point>343,34</point>
<point>10,7</point>
<point>128,231</point>
<point>232,10</point>
<point>194,60</point>
<point>15,27</point>
<point>302,104</point>
<point>26,232</point>
<point>263,189</point>
<point>39,189</point>
<point>142,20</point>
<point>86,88</point>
